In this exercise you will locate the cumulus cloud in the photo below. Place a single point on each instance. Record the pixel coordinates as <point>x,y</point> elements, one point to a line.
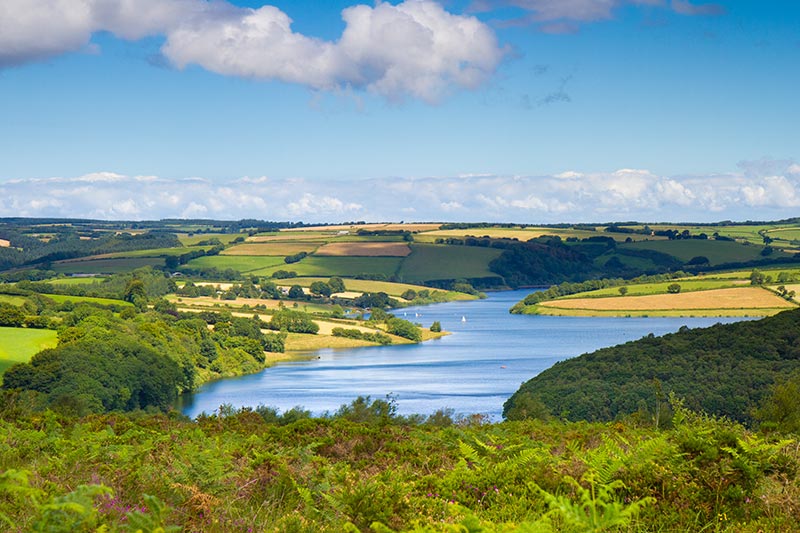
<point>569,196</point>
<point>565,16</point>
<point>415,48</point>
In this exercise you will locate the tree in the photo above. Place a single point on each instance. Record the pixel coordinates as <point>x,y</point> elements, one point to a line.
<point>436,327</point>
<point>623,291</point>
<point>296,292</point>
<point>320,288</point>
<point>336,284</point>
<point>673,288</point>
<point>11,315</point>
<point>409,294</point>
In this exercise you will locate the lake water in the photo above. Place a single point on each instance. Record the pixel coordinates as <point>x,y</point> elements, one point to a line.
<point>474,370</point>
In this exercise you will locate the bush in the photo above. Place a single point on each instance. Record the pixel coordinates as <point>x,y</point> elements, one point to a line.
<point>673,288</point>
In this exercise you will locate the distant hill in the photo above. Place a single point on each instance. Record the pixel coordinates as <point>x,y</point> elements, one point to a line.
<point>723,370</point>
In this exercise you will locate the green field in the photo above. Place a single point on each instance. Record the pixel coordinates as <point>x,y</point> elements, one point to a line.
<point>12,299</point>
<point>240,263</point>
<point>76,280</point>
<point>431,262</point>
<point>717,252</point>
<point>224,238</point>
<point>338,266</point>
<point>659,288</point>
<point>18,345</point>
<point>106,266</point>
<point>61,298</point>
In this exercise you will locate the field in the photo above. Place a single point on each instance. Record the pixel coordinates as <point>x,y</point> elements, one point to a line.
<point>525,234</point>
<point>18,345</point>
<point>279,249</point>
<point>353,228</point>
<point>717,252</point>
<point>365,249</point>
<point>224,238</point>
<point>752,301</point>
<point>360,286</point>
<point>289,236</point>
<point>336,266</point>
<point>431,262</point>
<point>87,280</point>
<point>643,289</point>
<point>61,298</point>
<point>105,266</point>
<point>12,299</point>
<point>240,263</point>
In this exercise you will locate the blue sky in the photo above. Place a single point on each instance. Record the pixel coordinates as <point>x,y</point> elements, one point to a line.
<point>506,110</point>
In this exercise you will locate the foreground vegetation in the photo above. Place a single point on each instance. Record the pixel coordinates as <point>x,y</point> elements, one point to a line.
<point>369,470</point>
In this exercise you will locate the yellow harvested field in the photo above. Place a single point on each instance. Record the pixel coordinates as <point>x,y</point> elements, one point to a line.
<point>365,249</point>
<point>270,249</point>
<point>4,243</point>
<point>326,328</point>
<point>297,342</point>
<point>207,301</point>
<point>352,295</point>
<point>288,237</point>
<point>370,227</point>
<point>732,298</point>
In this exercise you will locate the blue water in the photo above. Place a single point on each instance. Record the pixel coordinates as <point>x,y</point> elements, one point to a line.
<point>474,370</point>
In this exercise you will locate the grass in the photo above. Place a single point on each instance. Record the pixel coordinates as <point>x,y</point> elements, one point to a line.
<point>737,301</point>
<point>224,238</point>
<point>106,266</point>
<point>524,234</point>
<point>337,266</point>
<point>365,249</point>
<point>18,345</point>
<point>364,285</point>
<point>76,280</point>
<point>12,299</point>
<point>717,252</point>
<point>240,263</point>
<point>281,249</point>
<point>431,262</point>
<point>645,289</point>
<point>61,298</point>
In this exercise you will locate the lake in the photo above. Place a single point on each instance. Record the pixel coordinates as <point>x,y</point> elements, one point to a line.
<point>474,370</point>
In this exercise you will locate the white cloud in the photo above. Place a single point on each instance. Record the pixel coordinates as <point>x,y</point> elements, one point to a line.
<point>566,197</point>
<point>415,48</point>
<point>32,30</point>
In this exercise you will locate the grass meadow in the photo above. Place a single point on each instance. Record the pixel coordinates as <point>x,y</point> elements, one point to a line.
<point>337,266</point>
<point>18,345</point>
<point>430,262</point>
<point>105,266</point>
<point>736,301</point>
<point>717,252</point>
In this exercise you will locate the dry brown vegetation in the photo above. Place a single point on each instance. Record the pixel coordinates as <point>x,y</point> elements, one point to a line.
<point>365,249</point>
<point>731,298</point>
<point>370,227</point>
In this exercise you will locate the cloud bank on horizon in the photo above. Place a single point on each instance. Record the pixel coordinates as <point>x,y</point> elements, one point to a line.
<point>760,190</point>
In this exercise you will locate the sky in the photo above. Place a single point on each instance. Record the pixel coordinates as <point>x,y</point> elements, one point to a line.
<point>530,111</point>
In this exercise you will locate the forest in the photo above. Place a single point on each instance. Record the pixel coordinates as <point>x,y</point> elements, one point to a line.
<point>726,369</point>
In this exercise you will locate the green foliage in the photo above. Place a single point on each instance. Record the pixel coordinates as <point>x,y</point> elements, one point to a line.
<point>673,288</point>
<point>293,322</point>
<point>436,327</point>
<point>375,337</point>
<point>403,328</point>
<point>724,370</point>
<point>367,469</point>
